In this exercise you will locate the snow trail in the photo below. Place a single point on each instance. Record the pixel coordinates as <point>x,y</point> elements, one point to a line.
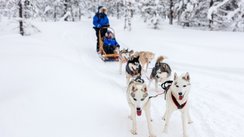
<point>54,85</point>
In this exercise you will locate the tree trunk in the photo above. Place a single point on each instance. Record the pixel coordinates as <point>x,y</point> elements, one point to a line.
<point>117,7</point>
<point>21,27</point>
<point>66,9</point>
<point>80,14</point>
<point>26,4</point>
<point>55,13</point>
<point>211,20</point>
<point>171,12</point>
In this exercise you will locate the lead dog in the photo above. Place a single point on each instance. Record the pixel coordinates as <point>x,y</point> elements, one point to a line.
<point>124,56</point>
<point>177,99</point>
<point>160,72</point>
<point>138,99</point>
<point>133,68</point>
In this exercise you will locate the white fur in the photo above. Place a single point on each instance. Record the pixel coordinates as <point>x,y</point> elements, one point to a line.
<point>177,87</point>
<point>139,90</point>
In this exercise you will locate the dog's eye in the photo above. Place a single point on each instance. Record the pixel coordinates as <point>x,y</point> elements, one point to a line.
<point>184,85</point>
<point>177,86</point>
<point>142,99</point>
<point>135,99</point>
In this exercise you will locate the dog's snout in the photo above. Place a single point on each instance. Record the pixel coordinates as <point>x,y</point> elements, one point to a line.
<point>138,109</point>
<point>180,93</point>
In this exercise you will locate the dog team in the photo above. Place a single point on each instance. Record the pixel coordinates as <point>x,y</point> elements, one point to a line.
<point>176,91</point>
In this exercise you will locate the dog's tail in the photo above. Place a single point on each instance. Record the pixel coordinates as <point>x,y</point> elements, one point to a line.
<point>160,59</point>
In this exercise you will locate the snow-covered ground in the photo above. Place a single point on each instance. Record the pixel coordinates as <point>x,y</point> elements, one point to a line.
<point>53,84</point>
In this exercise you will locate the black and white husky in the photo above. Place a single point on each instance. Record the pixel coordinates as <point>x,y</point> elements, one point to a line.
<point>124,56</point>
<point>160,72</point>
<point>177,99</point>
<point>133,68</point>
<point>138,99</point>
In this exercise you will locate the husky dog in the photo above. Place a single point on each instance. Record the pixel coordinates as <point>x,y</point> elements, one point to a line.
<point>160,72</point>
<point>145,58</point>
<point>124,56</point>
<point>177,99</point>
<point>133,68</point>
<point>138,99</point>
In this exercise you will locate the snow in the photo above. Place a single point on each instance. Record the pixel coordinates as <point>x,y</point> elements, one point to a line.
<point>54,85</point>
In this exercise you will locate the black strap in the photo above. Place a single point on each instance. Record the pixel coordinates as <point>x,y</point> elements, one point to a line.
<point>139,79</point>
<point>165,86</point>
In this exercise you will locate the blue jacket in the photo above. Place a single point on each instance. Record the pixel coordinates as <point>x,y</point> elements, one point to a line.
<point>110,42</point>
<point>100,20</point>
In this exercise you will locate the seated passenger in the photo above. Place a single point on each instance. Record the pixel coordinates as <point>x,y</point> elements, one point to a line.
<point>111,46</point>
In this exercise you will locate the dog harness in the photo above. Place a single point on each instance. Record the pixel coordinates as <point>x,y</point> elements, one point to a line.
<point>165,86</point>
<point>177,103</point>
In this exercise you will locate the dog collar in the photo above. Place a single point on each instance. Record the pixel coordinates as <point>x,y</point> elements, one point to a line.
<point>177,103</point>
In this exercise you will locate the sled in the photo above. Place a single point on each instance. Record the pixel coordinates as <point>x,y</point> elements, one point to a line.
<point>106,57</point>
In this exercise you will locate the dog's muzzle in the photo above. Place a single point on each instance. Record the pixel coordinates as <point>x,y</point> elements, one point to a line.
<point>138,111</point>
<point>181,96</point>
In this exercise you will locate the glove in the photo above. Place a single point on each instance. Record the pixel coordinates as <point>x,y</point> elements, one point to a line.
<point>98,26</point>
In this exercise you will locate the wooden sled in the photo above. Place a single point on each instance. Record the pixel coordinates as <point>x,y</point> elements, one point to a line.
<point>106,57</point>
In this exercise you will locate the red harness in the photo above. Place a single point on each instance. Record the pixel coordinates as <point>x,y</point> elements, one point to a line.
<point>177,103</point>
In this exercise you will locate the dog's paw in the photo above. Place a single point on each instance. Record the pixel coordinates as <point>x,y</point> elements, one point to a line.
<point>133,132</point>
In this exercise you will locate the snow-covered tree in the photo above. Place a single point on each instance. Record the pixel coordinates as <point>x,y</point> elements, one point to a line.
<point>213,14</point>
<point>129,11</point>
<point>119,8</point>
<point>185,11</point>
<point>225,14</point>
<point>151,11</point>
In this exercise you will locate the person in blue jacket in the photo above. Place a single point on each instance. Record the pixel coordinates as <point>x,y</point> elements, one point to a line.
<point>100,20</point>
<point>110,44</point>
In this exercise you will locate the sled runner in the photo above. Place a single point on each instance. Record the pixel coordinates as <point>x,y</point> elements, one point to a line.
<point>108,53</point>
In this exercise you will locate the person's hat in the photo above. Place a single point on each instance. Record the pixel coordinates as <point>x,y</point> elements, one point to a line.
<point>103,9</point>
<point>99,7</point>
<point>109,34</point>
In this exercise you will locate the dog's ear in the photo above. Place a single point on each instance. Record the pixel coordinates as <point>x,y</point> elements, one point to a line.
<point>175,76</point>
<point>187,77</point>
